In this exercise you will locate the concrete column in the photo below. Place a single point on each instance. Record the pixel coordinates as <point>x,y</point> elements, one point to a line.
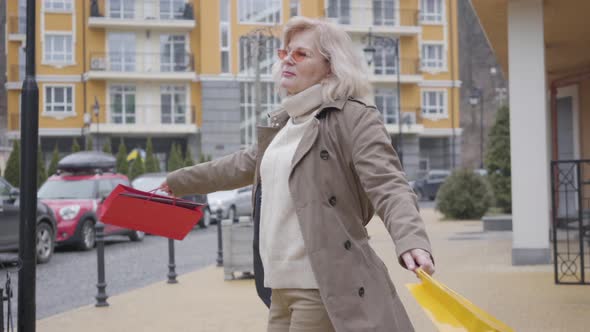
<point>529,133</point>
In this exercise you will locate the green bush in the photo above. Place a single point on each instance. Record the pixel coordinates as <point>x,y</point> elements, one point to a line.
<point>136,168</point>
<point>89,144</point>
<point>54,161</point>
<point>12,171</point>
<point>175,160</point>
<point>498,160</point>
<point>75,146</point>
<point>106,148</point>
<point>122,165</point>
<point>464,195</point>
<point>41,171</point>
<point>152,165</point>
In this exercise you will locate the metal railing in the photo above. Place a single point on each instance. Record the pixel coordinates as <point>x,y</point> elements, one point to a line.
<point>150,114</point>
<point>388,66</point>
<point>16,24</point>
<point>16,73</point>
<point>147,10</point>
<point>373,15</point>
<point>142,62</point>
<point>410,116</point>
<point>570,193</point>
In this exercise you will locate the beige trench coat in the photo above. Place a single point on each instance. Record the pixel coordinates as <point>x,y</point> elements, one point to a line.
<point>343,171</point>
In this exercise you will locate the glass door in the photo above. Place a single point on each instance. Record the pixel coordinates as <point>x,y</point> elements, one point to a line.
<point>173,104</point>
<point>122,55</point>
<point>174,57</point>
<point>122,104</point>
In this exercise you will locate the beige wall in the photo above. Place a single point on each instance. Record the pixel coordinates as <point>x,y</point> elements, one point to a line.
<point>585,119</point>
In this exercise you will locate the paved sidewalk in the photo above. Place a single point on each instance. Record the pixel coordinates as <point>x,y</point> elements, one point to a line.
<point>473,263</point>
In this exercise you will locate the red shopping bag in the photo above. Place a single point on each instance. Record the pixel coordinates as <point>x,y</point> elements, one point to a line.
<point>147,212</point>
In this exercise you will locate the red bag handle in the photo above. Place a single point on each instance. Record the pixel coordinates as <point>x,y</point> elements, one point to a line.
<point>153,192</point>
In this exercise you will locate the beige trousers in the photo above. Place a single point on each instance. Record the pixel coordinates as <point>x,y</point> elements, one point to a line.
<point>298,310</point>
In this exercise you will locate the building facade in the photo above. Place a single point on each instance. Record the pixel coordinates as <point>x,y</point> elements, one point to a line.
<point>196,72</point>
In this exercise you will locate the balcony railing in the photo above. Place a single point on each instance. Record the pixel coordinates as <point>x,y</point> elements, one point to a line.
<point>373,16</point>
<point>388,66</point>
<point>16,73</point>
<point>131,114</point>
<point>410,116</point>
<point>146,10</point>
<point>17,24</point>
<point>142,62</point>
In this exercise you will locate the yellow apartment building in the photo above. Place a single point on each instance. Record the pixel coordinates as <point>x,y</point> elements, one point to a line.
<point>185,71</point>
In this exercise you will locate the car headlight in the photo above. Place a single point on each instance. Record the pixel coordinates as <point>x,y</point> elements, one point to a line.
<point>69,212</point>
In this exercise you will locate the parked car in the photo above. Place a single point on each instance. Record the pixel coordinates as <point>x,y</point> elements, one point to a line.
<point>232,203</point>
<point>150,181</point>
<point>10,221</point>
<point>427,186</point>
<point>83,181</point>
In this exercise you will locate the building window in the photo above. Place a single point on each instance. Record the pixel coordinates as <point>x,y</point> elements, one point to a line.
<point>59,99</point>
<point>431,11</point>
<point>174,57</point>
<point>294,9</point>
<point>339,10</point>
<point>260,11</point>
<point>122,55</point>
<point>385,61</point>
<point>224,30</point>
<point>384,12</point>
<point>173,104</point>
<point>269,101</point>
<point>58,48</point>
<point>121,8</point>
<point>433,56</point>
<point>386,102</point>
<point>122,106</point>
<point>58,5</point>
<point>171,9</point>
<point>434,103</point>
<point>267,59</point>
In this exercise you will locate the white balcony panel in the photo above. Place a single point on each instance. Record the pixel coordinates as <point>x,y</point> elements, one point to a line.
<point>141,129</point>
<point>412,79</point>
<point>406,129</point>
<point>134,76</point>
<point>115,23</point>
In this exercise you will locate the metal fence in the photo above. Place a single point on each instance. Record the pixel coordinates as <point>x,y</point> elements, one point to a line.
<point>570,189</point>
<point>133,62</point>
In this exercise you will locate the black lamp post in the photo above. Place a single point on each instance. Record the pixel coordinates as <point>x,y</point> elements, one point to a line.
<point>476,98</point>
<point>96,108</point>
<point>372,42</point>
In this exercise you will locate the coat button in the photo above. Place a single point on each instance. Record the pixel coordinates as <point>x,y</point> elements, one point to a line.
<point>361,291</point>
<point>347,245</point>
<point>332,201</point>
<point>324,155</point>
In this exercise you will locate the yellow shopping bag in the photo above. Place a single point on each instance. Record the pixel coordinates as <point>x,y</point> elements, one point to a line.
<point>450,311</point>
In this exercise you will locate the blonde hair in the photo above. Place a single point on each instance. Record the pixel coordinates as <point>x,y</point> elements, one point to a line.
<point>348,76</point>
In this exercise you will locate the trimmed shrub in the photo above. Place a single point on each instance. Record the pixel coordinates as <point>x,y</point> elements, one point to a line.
<point>498,160</point>
<point>136,169</point>
<point>12,171</point>
<point>464,195</point>
<point>188,159</point>
<point>122,165</point>
<point>151,162</point>
<point>54,160</point>
<point>89,144</point>
<point>106,148</point>
<point>75,146</point>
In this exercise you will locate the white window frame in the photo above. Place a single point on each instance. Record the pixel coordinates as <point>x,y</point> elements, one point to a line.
<point>172,66</point>
<point>243,4</point>
<point>440,65</point>
<point>49,6</point>
<point>225,25</point>
<point>247,108</point>
<point>393,115</point>
<point>59,114</point>
<point>173,89</point>
<point>46,60</point>
<point>297,7</point>
<point>272,44</point>
<point>432,18</point>
<point>109,105</point>
<point>396,13</point>
<point>444,107</point>
<point>338,5</point>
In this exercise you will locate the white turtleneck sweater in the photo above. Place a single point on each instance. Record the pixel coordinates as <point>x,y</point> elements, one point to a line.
<point>285,261</point>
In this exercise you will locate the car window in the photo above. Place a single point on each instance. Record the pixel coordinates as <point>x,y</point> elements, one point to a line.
<point>104,187</point>
<point>61,189</point>
<point>117,182</point>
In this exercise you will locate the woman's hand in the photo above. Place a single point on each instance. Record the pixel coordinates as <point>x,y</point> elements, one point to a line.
<point>418,258</point>
<point>164,187</point>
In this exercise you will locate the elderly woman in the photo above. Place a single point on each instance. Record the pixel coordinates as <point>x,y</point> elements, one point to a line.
<point>321,170</point>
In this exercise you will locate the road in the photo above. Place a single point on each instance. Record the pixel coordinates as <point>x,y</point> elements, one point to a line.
<point>69,280</point>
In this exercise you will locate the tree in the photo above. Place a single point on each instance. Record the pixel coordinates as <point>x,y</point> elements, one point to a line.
<point>89,144</point>
<point>122,165</point>
<point>54,160</point>
<point>41,172</point>
<point>464,195</point>
<point>12,171</point>
<point>75,146</point>
<point>137,168</point>
<point>175,158</point>
<point>188,158</point>
<point>106,148</point>
<point>152,164</point>
<point>498,160</point>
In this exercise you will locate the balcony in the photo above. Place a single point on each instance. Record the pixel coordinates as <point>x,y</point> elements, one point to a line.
<point>17,28</point>
<point>411,121</point>
<point>384,70</point>
<point>147,119</point>
<point>388,20</point>
<point>149,14</point>
<point>140,66</point>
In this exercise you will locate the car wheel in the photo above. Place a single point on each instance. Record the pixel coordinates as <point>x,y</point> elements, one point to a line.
<point>231,214</point>
<point>45,243</point>
<point>206,220</point>
<point>136,236</point>
<point>87,238</point>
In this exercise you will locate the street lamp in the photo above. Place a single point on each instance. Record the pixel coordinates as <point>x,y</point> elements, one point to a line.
<point>476,98</point>
<point>372,42</point>
<point>96,108</point>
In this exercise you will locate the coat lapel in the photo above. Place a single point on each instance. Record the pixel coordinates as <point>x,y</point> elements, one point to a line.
<point>307,141</point>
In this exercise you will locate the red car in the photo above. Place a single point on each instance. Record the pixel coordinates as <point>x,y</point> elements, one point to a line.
<point>83,181</point>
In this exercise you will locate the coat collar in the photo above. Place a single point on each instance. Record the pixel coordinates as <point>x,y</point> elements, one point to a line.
<point>280,117</point>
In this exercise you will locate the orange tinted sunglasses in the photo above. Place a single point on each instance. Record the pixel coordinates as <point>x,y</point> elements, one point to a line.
<point>297,55</point>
